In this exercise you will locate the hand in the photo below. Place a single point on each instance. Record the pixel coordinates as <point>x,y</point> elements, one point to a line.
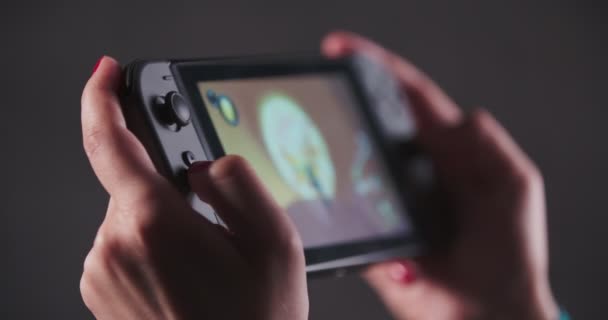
<point>156,258</point>
<point>496,265</point>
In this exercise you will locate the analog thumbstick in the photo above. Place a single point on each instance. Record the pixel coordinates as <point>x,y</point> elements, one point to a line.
<point>175,110</point>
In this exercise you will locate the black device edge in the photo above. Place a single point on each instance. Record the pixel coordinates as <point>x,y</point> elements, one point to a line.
<point>138,121</point>
<point>186,80</point>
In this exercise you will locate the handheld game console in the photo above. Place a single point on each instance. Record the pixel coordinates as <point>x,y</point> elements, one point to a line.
<point>326,137</point>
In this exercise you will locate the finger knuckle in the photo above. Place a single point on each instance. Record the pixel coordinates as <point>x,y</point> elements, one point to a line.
<point>526,178</point>
<point>146,198</point>
<point>290,246</point>
<point>481,121</point>
<point>482,130</point>
<point>89,280</point>
<point>228,167</point>
<point>142,234</point>
<point>106,252</point>
<point>93,138</point>
<point>146,195</point>
<point>423,85</point>
<point>88,263</point>
<point>144,220</point>
<point>86,290</point>
<point>87,95</point>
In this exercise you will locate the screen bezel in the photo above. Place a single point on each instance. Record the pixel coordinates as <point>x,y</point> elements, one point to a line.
<point>189,73</point>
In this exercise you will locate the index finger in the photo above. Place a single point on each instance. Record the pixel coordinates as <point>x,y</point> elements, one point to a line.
<point>117,157</point>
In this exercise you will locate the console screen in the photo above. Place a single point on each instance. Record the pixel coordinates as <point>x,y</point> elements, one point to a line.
<point>306,141</point>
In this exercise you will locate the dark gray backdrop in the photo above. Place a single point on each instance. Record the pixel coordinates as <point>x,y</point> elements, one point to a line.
<point>537,65</point>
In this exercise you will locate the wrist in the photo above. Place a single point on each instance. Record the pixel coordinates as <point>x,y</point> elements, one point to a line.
<point>533,300</point>
<point>544,305</point>
<point>524,300</point>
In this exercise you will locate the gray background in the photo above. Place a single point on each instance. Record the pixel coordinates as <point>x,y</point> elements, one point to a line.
<point>537,65</point>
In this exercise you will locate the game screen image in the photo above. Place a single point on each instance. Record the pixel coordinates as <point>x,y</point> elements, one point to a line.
<point>306,141</point>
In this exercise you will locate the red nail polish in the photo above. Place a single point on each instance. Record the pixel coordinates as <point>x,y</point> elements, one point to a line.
<point>409,277</point>
<point>97,64</point>
<point>402,271</point>
<point>200,166</point>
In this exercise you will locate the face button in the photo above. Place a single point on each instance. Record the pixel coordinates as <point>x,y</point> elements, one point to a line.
<point>188,158</point>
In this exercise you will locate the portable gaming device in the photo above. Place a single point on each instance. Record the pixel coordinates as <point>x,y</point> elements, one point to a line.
<point>332,140</point>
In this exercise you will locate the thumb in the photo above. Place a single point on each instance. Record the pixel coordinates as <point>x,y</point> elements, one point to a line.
<point>257,222</point>
<point>402,272</point>
<point>117,157</point>
<point>395,282</point>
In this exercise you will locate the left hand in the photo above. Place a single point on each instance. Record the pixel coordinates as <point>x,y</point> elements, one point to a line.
<point>154,257</point>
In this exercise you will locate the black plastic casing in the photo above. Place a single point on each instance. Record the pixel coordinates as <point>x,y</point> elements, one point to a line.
<point>382,104</point>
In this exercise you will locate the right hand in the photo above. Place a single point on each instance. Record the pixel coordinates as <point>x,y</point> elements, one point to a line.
<point>496,265</point>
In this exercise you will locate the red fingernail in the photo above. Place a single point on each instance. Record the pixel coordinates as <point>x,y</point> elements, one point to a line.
<point>200,166</point>
<point>97,65</point>
<point>402,271</point>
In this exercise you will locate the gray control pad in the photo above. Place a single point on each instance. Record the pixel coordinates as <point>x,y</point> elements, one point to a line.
<point>157,82</point>
<point>392,109</point>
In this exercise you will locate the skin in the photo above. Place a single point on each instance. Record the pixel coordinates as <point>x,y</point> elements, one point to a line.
<point>156,258</point>
<point>496,265</point>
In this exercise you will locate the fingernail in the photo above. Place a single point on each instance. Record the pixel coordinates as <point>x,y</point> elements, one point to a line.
<point>332,46</point>
<point>402,271</point>
<point>200,166</point>
<point>97,65</point>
